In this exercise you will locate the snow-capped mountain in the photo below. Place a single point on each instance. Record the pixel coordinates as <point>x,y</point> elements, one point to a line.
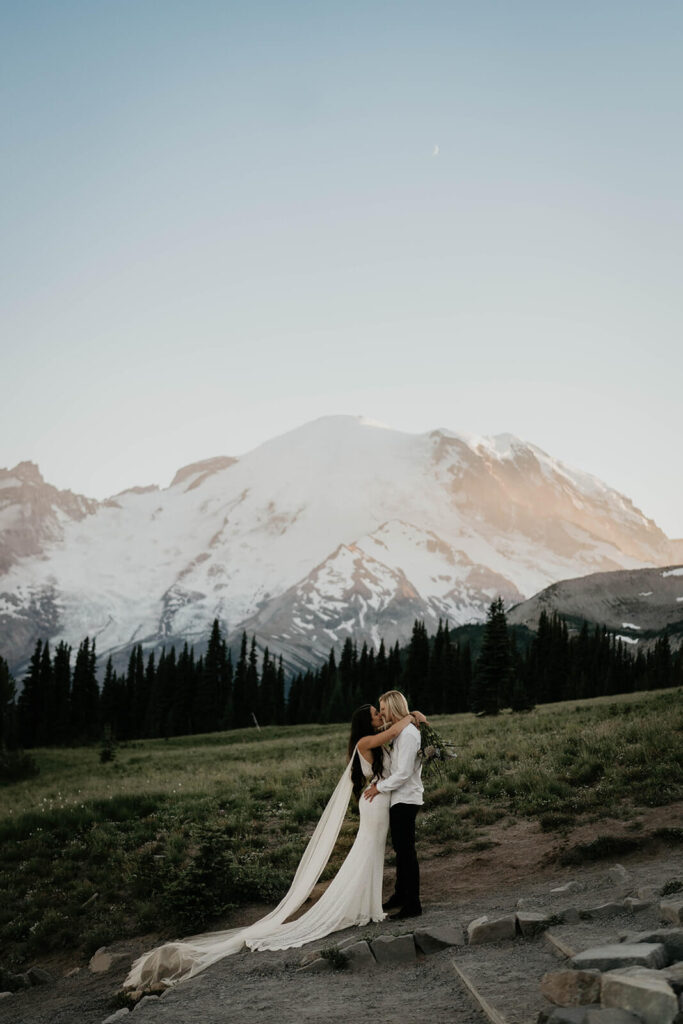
<point>339,528</point>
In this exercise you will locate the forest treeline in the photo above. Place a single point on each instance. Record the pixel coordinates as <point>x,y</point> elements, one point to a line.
<point>175,693</point>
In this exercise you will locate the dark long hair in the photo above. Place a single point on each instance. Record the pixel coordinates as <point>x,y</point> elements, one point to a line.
<point>361,725</point>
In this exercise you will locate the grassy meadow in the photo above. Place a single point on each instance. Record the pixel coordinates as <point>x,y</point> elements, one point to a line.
<point>171,834</point>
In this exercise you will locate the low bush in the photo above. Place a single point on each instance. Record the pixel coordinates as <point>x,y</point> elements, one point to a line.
<point>16,765</point>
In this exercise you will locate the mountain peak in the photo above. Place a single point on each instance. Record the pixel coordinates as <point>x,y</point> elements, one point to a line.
<point>25,472</point>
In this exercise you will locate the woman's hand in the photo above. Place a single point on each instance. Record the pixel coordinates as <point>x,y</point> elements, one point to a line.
<point>418,717</point>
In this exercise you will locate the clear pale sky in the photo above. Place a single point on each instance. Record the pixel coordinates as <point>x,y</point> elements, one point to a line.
<point>220,220</point>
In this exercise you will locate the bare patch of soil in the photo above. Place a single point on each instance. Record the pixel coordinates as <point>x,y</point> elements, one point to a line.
<point>522,851</point>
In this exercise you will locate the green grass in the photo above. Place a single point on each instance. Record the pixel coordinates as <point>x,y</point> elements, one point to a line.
<point>171,834</point>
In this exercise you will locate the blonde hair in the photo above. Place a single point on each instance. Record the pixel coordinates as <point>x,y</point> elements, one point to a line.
<point>395,703</point>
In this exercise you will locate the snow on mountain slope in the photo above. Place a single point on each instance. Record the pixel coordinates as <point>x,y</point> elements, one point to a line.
<point>340,527</point>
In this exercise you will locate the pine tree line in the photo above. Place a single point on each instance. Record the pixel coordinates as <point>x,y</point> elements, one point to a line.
<point>558,666</point>
<point>169,695</point>
<point>177,694</point>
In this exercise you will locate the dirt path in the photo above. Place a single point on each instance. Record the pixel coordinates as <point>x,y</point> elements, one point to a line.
<point>265,987</point>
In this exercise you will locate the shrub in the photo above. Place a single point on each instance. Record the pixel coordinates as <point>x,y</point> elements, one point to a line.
<point>600,848</point>
<point>16,765</point>
<point>337,958</point>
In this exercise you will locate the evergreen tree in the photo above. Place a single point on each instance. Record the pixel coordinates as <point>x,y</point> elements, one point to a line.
<point>210,698</point>
<point>280,693</point>
<point>85,694</point>
<point>252,681</point>
<point>417,667</point>
<point>110,700</point>
<point>46,716</point>
<point>147,715</point>
<point>381,671</point>
<point>137,700</point>
<point>62,693</point>
<point>661,665</point>
<point>394,669</point>
<point>493,675</point>
<point>366,689</point>
<point>30,702</point>
<point>349,675</point>
<point>240,700</point>
<point>226,694</point>
<point>182,722</point>
<point>464,677</point>
<point>165,687</point>
<point>268,691</point>
<point>520,699</point>
<point>294,700</point>
<point>7,695</point>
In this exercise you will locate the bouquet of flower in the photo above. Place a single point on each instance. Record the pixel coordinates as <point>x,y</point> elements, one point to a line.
<point>434,750</point>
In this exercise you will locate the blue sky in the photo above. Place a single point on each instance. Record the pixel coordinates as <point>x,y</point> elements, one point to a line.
<point>221,220</point>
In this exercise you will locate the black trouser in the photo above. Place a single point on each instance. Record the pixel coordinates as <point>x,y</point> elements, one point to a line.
<point>402,825</point>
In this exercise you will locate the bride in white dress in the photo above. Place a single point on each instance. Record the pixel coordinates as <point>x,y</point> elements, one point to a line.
<point>353,897</point>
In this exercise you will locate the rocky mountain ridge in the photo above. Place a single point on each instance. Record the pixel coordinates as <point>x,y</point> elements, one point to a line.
<point>637,605</point>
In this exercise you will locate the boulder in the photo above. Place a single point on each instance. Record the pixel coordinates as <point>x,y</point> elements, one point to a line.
<point>566,1015</point>
<point>672,910</point>
<point>527,903</point>
<point>563,890</point>
<point>482,929</point>
<point>317,966</point>
<point>674,975</point>
<point>360,956</point>
<point>643,993</point>
<point>3,995</point>
<point>145,1001</point>
<point>619,875</point>
<point>119,1015</point>
<point>670,938</point>
<point>606,958</point>
<point>37,976</point>
<point>635,905</point>
<point>604,910</point>
<point>532,922</point>
<point>314,954</point>
<point>432,940</point>
<point>588,1015</point>
<point>103,960</point>
<point>571,988</point>
<point>570,915</point>
<point>394,949</point>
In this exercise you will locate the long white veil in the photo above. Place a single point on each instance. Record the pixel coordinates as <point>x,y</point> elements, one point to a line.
<point>177,961</point>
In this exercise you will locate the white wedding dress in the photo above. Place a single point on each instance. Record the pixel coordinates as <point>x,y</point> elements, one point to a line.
<point>353,897</point>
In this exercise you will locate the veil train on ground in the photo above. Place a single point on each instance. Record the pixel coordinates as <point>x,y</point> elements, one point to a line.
<point>178,961</point>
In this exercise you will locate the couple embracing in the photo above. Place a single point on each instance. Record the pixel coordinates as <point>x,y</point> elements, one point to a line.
<point>387,785</point>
